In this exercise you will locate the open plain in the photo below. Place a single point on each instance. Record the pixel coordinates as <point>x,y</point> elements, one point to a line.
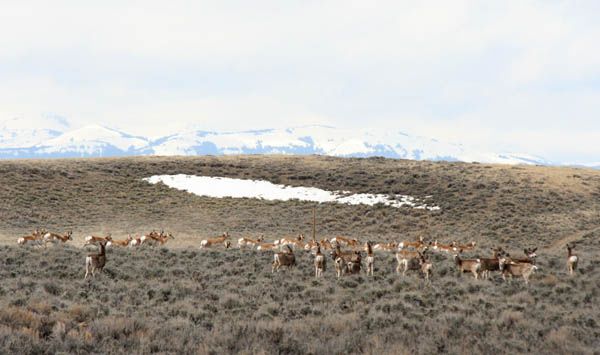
<point>180,299</point>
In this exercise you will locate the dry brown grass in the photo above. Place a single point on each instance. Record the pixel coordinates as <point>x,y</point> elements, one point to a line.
<point>177,300</point>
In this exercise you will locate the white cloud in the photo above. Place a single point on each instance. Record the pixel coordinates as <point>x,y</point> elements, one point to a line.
<point>472,72</point>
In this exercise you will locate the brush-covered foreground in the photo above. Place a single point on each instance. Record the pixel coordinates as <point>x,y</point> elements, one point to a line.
<point>179,301</point>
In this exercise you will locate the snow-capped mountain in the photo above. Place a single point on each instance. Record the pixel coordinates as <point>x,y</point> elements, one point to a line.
<point>20,133</point>
<point>327,141</point>
<point>53,137</point>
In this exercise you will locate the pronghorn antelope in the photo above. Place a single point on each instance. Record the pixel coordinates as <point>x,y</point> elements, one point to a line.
<point>426,266</point>
<point>572,259</point>
<point>341,266</point>
<point>150,238</point>
<point>55,238</point>
<point>355,263</point>
<point>370,258</point>
<point>266,246</point>
<point>284,258</point>
<point>510,268</point>
<point>491,264</point>
<point>36,238</point>
<point>337,252</point>
<point>153,239</point>
<point>95,261</point>
<point>312,244</point>
<point>29,239</point>
<point>320,263</point>
<point>468,265</point>
<point>529,258</point>
<point>467,247</point>
<point>135,242</point>
<point>353,243</point>
<point>409,260</point>
<point>298,242</point>
<point>119,243</point>
<point>249,242</point>
<point>206,243</point>
<point>445,248</point>
<point>385,246</point>
<point>326,244</point>
<point>416,244</point>
<point>90,239</point>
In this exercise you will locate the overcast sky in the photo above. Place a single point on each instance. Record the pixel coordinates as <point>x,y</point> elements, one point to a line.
<point>520,76</point>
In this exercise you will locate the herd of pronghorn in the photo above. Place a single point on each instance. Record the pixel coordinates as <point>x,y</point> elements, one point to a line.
<point>410,255</point>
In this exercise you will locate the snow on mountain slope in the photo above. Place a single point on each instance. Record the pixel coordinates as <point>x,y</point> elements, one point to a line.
<point>328,141</point>
<point>22,132</point>
<point>94,140</point>
<point>19,139</point>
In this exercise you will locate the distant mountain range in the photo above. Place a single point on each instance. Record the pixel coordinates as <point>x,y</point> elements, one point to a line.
<point>53,137</point>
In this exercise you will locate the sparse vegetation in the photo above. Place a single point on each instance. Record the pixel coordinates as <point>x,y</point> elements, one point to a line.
<point>177,299</point>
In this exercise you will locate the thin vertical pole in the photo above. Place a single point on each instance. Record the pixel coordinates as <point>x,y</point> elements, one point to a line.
<point>314,224</point>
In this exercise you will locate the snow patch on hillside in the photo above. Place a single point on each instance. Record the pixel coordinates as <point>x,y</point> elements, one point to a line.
<point>240,188</point>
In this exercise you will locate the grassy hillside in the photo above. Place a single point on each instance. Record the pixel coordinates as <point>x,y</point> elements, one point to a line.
<point>179,299</point>
<point>486,203</point>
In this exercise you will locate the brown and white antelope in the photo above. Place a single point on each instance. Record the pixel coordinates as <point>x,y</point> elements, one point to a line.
<point>95,262</point>
<point>355,263</point>
<point>425,265</point>
<point>392,246</point>
<point>530,256</point>
<point>56,238</point>
<point>207,243</point>
<point>349,242</point>
<point>416,244</point>
<point>284,258</point>
<point>135,242</point>
<point>468,265</point>
<point>35,239</point>
<point>90,239</point>
<point>572,259</point>
<point>489,265</point>
<point>297,242</point>
<point>320,262</point>
<point>266,246</point>
<point>337,252</point>
<point>407,260</point>
<point>511,268</point>
<point>249,242</point>
<point>370,258</point>
<point>445,248</point>
<point>310,245</point>
<point>467,247</point>
<point>119,243</point>
<point>325,244</point>
<point>154,239</point>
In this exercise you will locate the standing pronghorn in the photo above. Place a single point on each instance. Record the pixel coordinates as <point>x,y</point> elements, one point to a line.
<point>572,259</point>
<point>468,265</point>
<point>426,265</point>
<point>284,258</point>
<point>206,243</point>
<point>95,261</point>
<point>319,262</point>
<point>370,258</point>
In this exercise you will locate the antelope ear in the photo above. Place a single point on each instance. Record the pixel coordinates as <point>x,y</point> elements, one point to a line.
<point>534,249</point>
